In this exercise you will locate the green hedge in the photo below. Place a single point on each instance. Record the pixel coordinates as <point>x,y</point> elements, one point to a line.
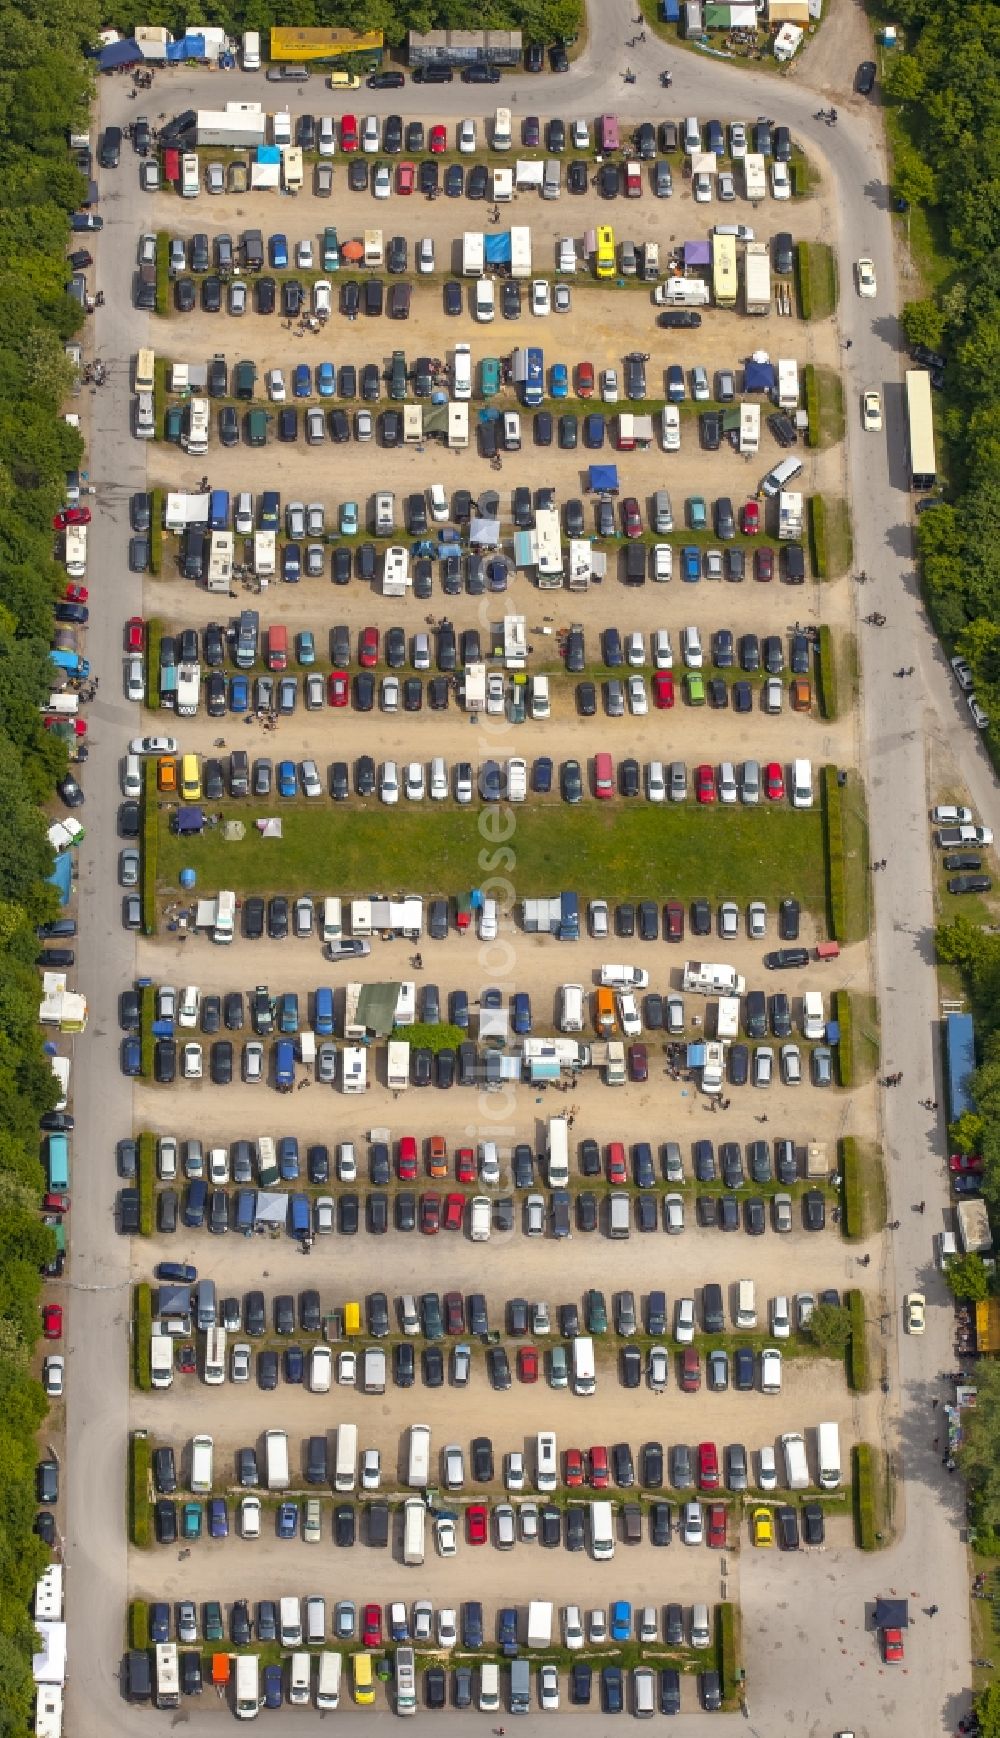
<point>863,1489</point>
<point>162,273</point>
<point>154,634</point>
<point>841,1008</point>
<point>156,532</point>
<point>159,394</point>
<point>852,1199</point>
<point>147,1014</point>
<point>726,1649</point>
<point>138,1623</point>
<point>803,279</point>
<point>817,536</point>
<point>836,868</point>
<point>147,1180</point>
<point>140,1508</point>
<point>826,675</point>
<point>432,1038</point>
<point>812,404</point>
<point>150,850</point>
<point>142,1329</point>
<point>859,1374</point>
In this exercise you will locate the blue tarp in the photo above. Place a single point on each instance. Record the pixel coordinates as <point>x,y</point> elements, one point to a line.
<point>188,48</point>
<point>189,820</point>
<point>960,1058</point>
<point>604,477</point>
<point>697,253</point>
<point>269,153</point>
<point>62,876</point>
<point>670,12</point>
<point>498,248</point>
<point>125,53</point>
<point>759,377</point>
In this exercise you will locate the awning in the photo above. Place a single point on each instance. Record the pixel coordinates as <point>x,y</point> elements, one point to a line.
<point>543,1068</point>
<point>892,1614</point>
<point>62,876</point>
<point>116,54</point>
<point>187,48</point>
<point>485,531</point>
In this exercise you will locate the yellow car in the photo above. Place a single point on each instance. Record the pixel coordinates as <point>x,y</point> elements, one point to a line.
<point>344,81</point>
<point>871,413</point>
<point>763,1527</point>
<point>915,1305</point>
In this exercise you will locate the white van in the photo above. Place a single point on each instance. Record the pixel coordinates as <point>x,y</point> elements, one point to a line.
<point>643,1692</point>
<point>488,920</point>
<point>802,784</point>
<point>190,175</point>
<point>571,1008</point>
<point>225,917</point>
<point>290,1621</point>
<point>813,1018</point>
<point>328,1681</point>
<point>546,1461</point>
<point>701,1631</point>
<point>315,1620</point>
<point>619,1215</point>
<point>828,1455</point>
<point>746,1304</point>
<point>215,1356</point>
<point>132,777</point>
<point>489,1687</point>
<point>418,1466</point>
<point>502,130</point>
<point>346,1471</point>
<point>247,1687</point>
<point>557,1152</point>
<point>251,51</point>
<point>406,1682</point>
<point>202,1456</point>
<point>333,921</point>
<point>602,1531</point>
<point>484,300</point>
<point>298,1676</point>
<point>414,1525</point>
<point>779,478</point>
<point>462,370</point>
<point>584,1368</point>
<point>276,1459</point>
<point>540,705</point>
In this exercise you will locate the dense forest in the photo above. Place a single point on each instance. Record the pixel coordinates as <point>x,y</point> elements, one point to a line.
<point>946,88</point>
<point>44,83</point>
<point>540,20</point>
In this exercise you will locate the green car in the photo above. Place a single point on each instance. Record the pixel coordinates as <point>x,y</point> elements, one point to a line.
<point>596,1310</point>
<point>213,1621</point>
<point>191,1519</point>
<point>173,426</point>
<point>694,687</point>
<point>697,512</point>
<point>306,648</point>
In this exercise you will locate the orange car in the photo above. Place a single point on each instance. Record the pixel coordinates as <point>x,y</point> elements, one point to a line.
<point>166,773</point>
<point>437,1156</point>
<point>800,694</point>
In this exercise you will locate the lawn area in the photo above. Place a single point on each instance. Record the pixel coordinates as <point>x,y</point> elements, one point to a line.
<point>615,852</point>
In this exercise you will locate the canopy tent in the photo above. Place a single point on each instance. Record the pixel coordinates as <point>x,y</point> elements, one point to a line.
<point>759,376</point>
<point>269,828</point>
<point>697,253</point>
<point>188,820</point>
<point>376,1010</point>
<point>892,1614</point>
<point>116,54</point>
<point>604,479</point>
<point>485,532</point>
<point>272,1209</point>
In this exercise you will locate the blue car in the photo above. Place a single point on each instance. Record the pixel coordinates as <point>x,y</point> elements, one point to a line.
<point>287,781</point>
<point>305,647</point>
<point>302,381</point>
<point>271,1678</point>
<point>541,775</point>
<point>239,693</point>
<point>291,563</point>
<point>159,1622</point>
<point>348,518</point>
<point>288,1012</point>
<point>278,248</point>
<point>131,1056</point>
<point>621,1620</point>
<point>294,1360</point>
<point>286,1522</point>
<point>612,1697</point>
<point>521,1013</point>
<point>690,563</point>
<point>288,1158</point>
<point>559,380</point>
<point>326,379</point>
<point>507,1624</point>
<point>218,1518</point>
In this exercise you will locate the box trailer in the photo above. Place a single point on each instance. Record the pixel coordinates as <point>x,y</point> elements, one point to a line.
<point>161,1357</point>
<point>474,688</point>
<point>788,383</point>
<point>76,551</point>
<point>503,186</point>
<point>749,436</point>
<point>473,253</point>
<point>540,1623</point>
<point>398,1065</point>
<point>354,1076</point>
<point>757,278</point>
<point>678,292</point>
<point>220,561</point>
<point>458,425</point>
<point>264,554</point>
<point>395,571</point>
<point>238,124</point>
<point>727,1017</point>
<point>167,1677</point>
<point>188,689</point>
<point>291,168</point>
<point>790,511</point>
<point>755,176</point>
<point>520,251</point>
<point>973,1223</point>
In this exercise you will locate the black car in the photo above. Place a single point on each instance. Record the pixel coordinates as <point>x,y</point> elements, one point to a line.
<point>609,181</point>
<point>165,1519</point>
<point>266,295</point>
<point>189,1671</point>
<point>631,1377</point>
<point>813,1524</point>
<point>253,917</point>
<point>357,175</point>
<point>549,1525</point>
<point>277,917</point>
<point>510,299</point>
<point>480,72</point>
<point>577,176</point>
<point>784,252</point>
<point>454,181</point>
<point>344,1526</point>
<point>864,81</point>
<point>788,920</point>
<point>786,958</point>
<point>580,1683</point>
<point>680,319</point>
<point>612,1690</point>
<point>814,1210</point>
<point>390,80</point>
<point>435,1686</point>
<point>701,917</point>
<point>222,1062</point>
<point>482,1460</point>
<point>477,185</point>
<point>291,298</point>
<point>670,1690</point>
<point>788,1527</point>
<point>403,1364</point>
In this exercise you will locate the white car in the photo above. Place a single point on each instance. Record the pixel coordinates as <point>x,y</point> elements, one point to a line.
<point>658,1369</point>
<point>347,1163</point>
<point>322,298</point>
<point>663,562</point>
<point>191,1062</point>
<point>371,1469</point>
<point>763,1065</point>
<point>327,143</point>
<point>628,1015</point>
<point>580,133</point>
<point>370,133</point>
<point>781,181</point>
<point>514,1470</point>
<point>504,1527</point>
<point>382,181</point>
<point>253,1062</point>
<point>737,139</point>
<point>871,412</point>
<point>389,691</point>
<point>598,918</point>
<point>770,1370</point>
<point>415,781</point>
<point>438,786</point>
<point>250,1518</point>
<point>729,920</point>
<point>423,1620</point>
<point>572,1627</point>
<point>638,699</point>
<point>663,654</point>
<point>656,783</point>
<point>963,674</point>
<point>791,1064</point>
<point>541,299</point>
<point>597,1626</point>
<point>239,1368</point>
<point>454,1467</point>
<point>562,302</point>
<point>781,1321</point>
<point>364,425</point>
<point>323,1212</point>
<point>388,788</point>
<point>674,1014</point>
<point>692,1524</point>
<point>309,775</point>
<point>541,1321</point>
<point>943,814</point>
<point>609,385</point>
<point>275,386</point>
<point>865,271</point>
<point>425,254</point>
<point>445,1536</point>
<point>489,1164</point>
<point>53,1375</point>
<point>767,1469</point>
<point>163,745</point>
<point>756,919</point>
<point>347,1369</point>
<point>467,137</point>
<point>215,178</point>
<point>782,1212</point>
<point>635,649</point>
<point>447,1627</point>
<point>673,1214</point>
<point>135,680</point>
<point>548,1688</point>
<point>691,648</point>
<point>671,429</point>
<point>463,783</point>
<point>320,1370</point>
<point>684,1321</point>
<point>914,1307</point>
<point>218,1166</point>
<point>725,185</point>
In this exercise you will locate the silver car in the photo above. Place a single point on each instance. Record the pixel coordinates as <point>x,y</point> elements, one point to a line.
<point>678,782</point>
<point>534,1216</point>
<point>692,1524</point>
<point>763,1065</point>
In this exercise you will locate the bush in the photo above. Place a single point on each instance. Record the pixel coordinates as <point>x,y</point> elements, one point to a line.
<point>433,1038</point>
<point>147,1180</point>
<point>859,1375</point>
<point>863,1486</point>
<point>154,634</point>
<point>150,852</point>
<point>841,1007</point>
<point>826,675</point>
<point>156,532</point>
<point>138,1623</point>
<point>162,273</point>
<point>817,536</point>
<point>147,1013</point>
<point>812,404</point>
<point>836,868</point>
<point>852,1199</point>
<point>142,1329</point>
<point>725,1647</point>
<point>139,1506</point>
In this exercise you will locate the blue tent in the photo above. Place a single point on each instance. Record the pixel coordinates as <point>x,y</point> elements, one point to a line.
<point>498,248</point>
<point>758,376</point>
<point>188,48</point>
<point>62,875</point>
<point>670,11</point>
<point>604,479</point>
<point>189,820</point>
<point>115,54</point>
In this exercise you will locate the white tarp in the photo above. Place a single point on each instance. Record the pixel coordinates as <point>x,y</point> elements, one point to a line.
<point>485,532</point>
<point>269,828</point>
<point>49,1665</point>
<point>271,1209</point>
<point>494,1025</point>
<point>183,509</point>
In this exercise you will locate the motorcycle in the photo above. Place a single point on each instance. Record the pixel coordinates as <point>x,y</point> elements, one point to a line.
<point>666,79</point>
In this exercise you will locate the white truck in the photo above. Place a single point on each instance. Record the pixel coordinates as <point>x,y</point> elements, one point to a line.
<point>236,125</point>
<point>473,253</point>
<point>757,278</point>
<point>972,1221</point>
<point>704,979</point>
<point>188,689</point>
<point>161,1357</point>
<point>788,383</point>
<point>540,1623</point>
<point>678,292</point>
<point>520,251</point>
<point>755,176</point>
<point>796,1464</point>
<point>727,1017</point>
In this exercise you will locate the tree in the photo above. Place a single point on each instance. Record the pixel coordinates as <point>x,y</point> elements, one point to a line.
<point>923,323</point>
<point>967,1277</point>
<point>965,1134</point>
<point>988,1711</point>
<point>830,1329</point>
<point>979,1454</point>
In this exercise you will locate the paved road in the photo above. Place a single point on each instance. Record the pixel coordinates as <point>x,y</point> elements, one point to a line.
<point>812,1666</point>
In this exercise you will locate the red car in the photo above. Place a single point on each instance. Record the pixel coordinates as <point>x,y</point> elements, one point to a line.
<point>631,517</point>
<point>71,516</point>
<point>963,1162</point>
<point>477,1523</point>
<point>599,1474</point>
<point>690,1371</point>
<point>763,563</point>
<point>751,518</point>
<point>465,1165</point>
<point>79,726</point>
<point>430,1214</point>
<point>371,1626</point>
<point>187,1362</point>
<point>638,1062</point>
<point>368,648</point>
<point>585,380</point>
<point>774,781</point>
<point>708,1467</point>
<point>55,1203</point>
<point>406,1159</point>
<point>76,594</point>
<point>454,1212</point>
<point>717,1526</point>
<point>663,689</point>
<point>348,132</point>
<point>892,1646</point>
<point>674,912</point>
<point>337,688</point>
<point>454,1312</point>
<point>527,1364</point>
<point>406,176</point>
<point>52,1321</point>
<point>438,140</point>
<point>704,783</point>
<point>135,634</point>
<point>573,1470</point>
<point>616,1163</point>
